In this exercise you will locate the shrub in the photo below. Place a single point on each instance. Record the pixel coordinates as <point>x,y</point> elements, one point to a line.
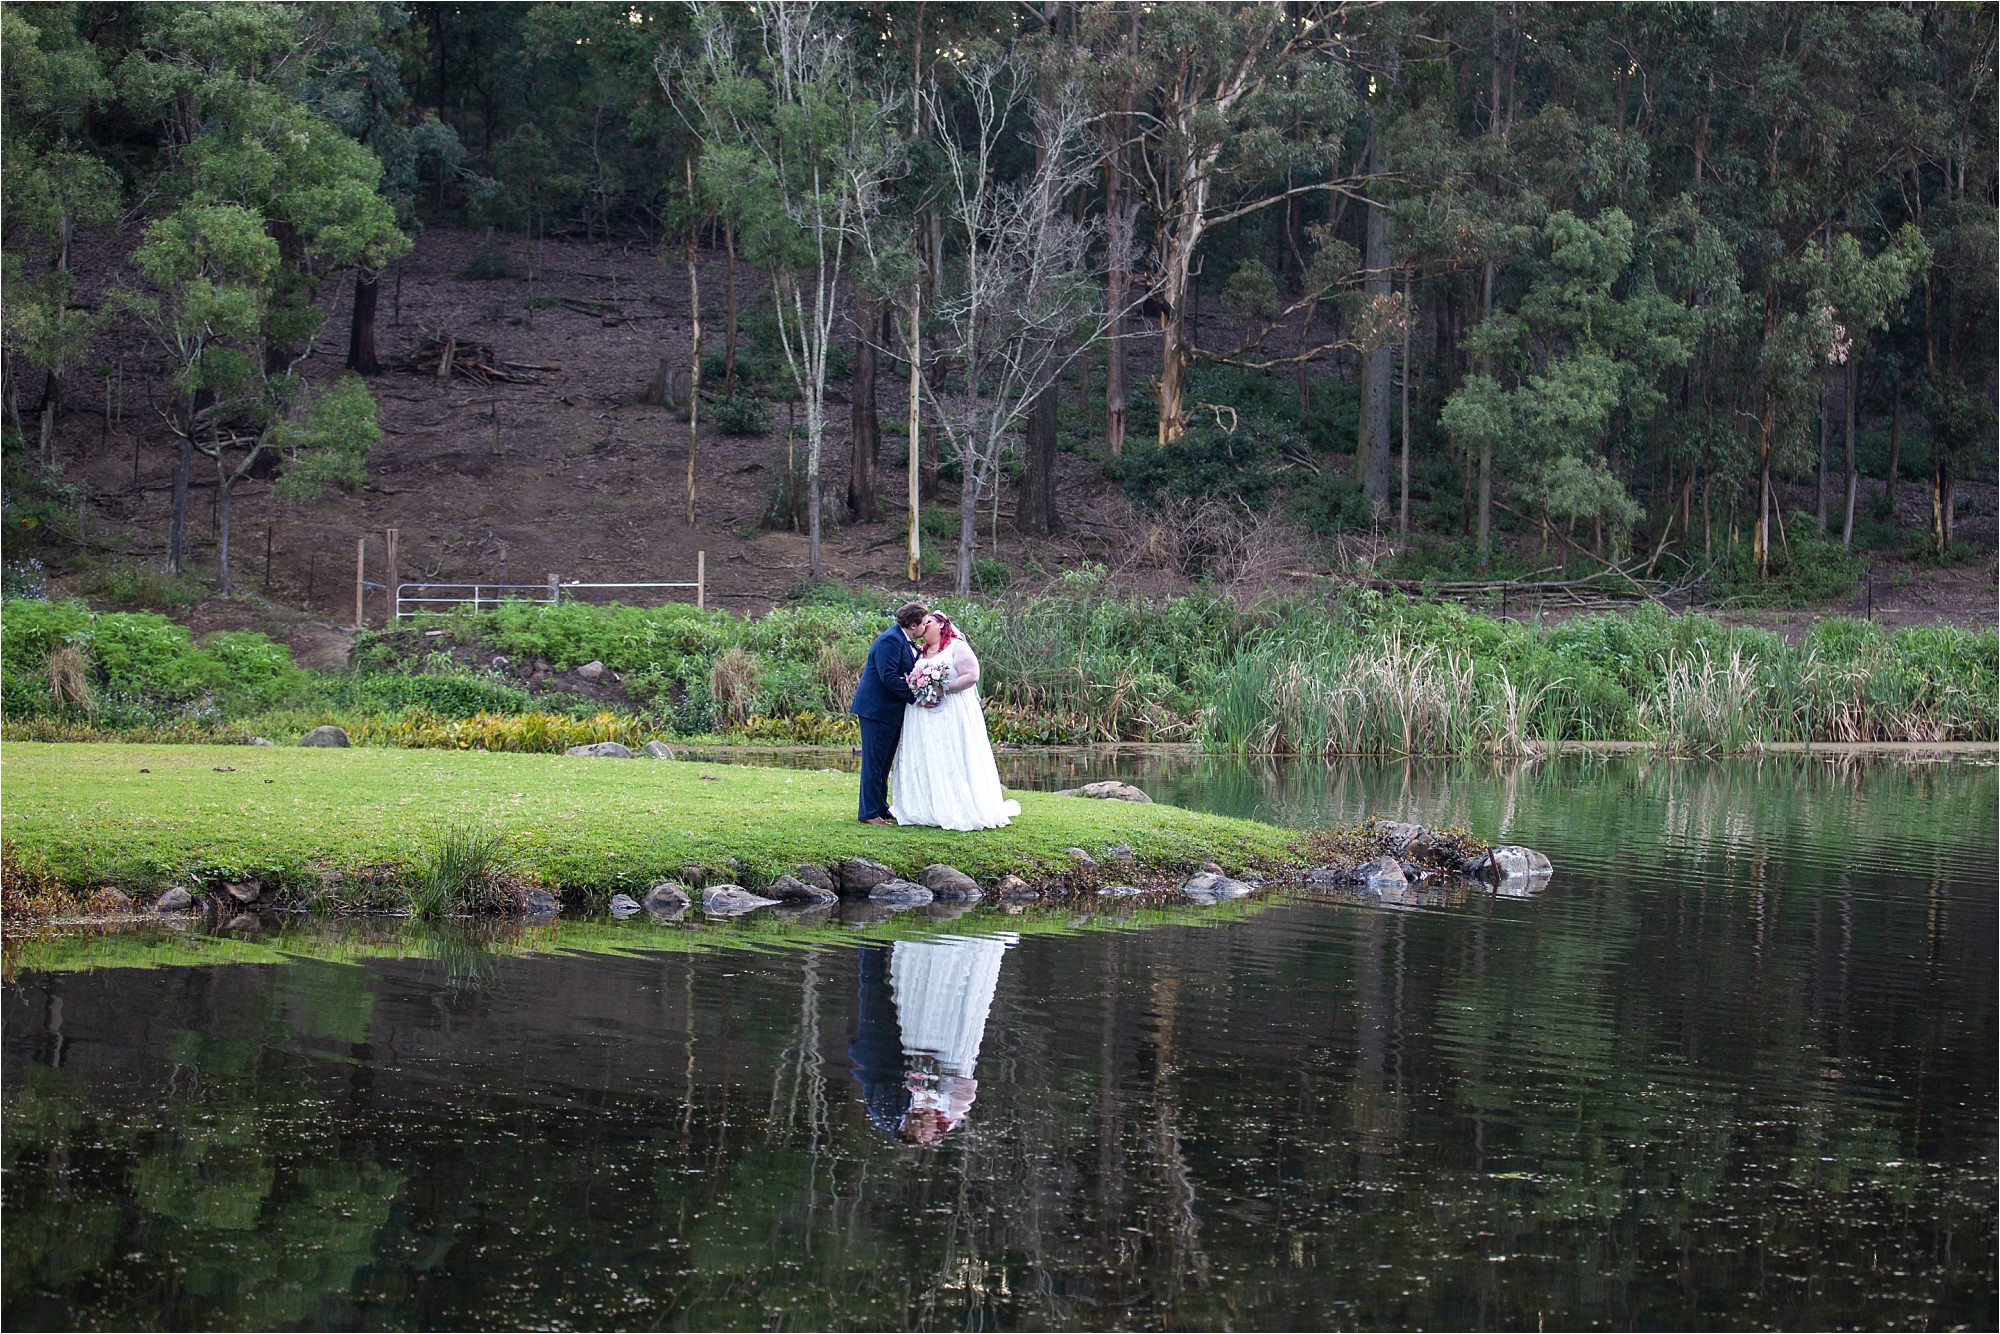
<point>740,414</point>
<point>990,575</point>
<point>1806,571</point>
<point>1208,462</point>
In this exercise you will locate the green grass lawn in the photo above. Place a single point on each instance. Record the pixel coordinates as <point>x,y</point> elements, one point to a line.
<point>143,817</point>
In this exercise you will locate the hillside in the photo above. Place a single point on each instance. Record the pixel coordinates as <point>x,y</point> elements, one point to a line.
<point>574,475</point>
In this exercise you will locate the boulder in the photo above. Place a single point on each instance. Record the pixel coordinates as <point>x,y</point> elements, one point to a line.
<point>601,750</point>
<point>791,889</point>
<point>665,897</point>
<point>1211,868</point>
<point>1380,874</point>
<point>1108,791</point>
<point>175,900</point>
<point>245,891</point>
<point>591,671</point>
<point>1119,852</point>
<point>1082,860</point>
<point>260,741</point>
<point>107,901</point>
<point>327,735</point>
<point>1509,863</point>
<point>659,750</point>
<point>1210,886</point>
<point>899,891</point>
<point>539,904</point>
<point>949,883</point>
<point>1120,892</point>
<point>728,900</point>
<point>857,876</point>
<point>815,876</point>
<point>623,906</point>
<point>1401,839</point>
<point>1014,888</point>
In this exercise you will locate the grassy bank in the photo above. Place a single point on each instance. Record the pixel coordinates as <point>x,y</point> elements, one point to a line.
<point>1358,672</point>
<point>360,828</point>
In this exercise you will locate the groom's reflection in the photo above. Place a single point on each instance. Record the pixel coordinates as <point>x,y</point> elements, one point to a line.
<point>920,1018</point>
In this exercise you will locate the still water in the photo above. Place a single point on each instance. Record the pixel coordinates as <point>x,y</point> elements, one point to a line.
<point>1734,1068</point>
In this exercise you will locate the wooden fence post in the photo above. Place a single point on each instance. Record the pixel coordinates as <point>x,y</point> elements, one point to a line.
<point>360,577</point>
<point>395,600</point>
<point>701,581</point>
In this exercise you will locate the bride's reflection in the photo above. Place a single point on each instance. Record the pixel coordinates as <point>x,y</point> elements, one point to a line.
<point>919,1022</point>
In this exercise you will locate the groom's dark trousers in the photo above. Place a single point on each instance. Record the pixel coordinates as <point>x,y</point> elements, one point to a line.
<point>878,703</point>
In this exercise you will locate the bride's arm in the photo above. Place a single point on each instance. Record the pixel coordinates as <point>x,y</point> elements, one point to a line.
<point>964,668</point>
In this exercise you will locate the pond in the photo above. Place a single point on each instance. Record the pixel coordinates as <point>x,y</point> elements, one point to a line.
<point>1733,1068</point>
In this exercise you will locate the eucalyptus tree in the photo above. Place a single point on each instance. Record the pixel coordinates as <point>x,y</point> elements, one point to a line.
<point>795,153</point>
<point>359,87</point>
<point>54,183</point>
<point>264,199</point>
<point>1021,292</point>
<point>1585,346</point>
<point>1239,108</point>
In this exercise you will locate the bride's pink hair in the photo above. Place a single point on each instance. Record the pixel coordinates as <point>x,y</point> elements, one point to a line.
<point>946,630</point>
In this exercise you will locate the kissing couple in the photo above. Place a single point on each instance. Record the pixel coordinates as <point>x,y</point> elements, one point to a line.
<point>923,731</point>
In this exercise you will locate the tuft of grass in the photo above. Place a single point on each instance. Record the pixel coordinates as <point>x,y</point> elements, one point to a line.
<point>461,870</point>
<point>68,671</point>
<point>837,675</point>
<point>732,683</point>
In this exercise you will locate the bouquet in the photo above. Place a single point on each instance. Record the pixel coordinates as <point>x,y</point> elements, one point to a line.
<point>928,680</point>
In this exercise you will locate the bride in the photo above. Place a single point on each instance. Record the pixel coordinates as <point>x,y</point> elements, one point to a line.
<point>944,774</point>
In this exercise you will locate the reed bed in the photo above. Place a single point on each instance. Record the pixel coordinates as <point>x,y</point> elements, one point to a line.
<point>1357,672</point>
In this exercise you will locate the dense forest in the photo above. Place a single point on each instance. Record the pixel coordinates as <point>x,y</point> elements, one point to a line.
<point>1567,279</point>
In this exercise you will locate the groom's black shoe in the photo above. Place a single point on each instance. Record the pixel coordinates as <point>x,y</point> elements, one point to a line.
<point>876,819</point>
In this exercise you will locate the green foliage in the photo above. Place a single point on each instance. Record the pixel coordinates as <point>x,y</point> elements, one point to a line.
<point>1210,462</point>
<point>330,444</point>
<point>457,872</point>
<point>1805,570</point>
<point>740,414</point>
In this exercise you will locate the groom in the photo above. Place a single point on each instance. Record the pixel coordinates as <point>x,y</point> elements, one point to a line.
<point>878,703</point>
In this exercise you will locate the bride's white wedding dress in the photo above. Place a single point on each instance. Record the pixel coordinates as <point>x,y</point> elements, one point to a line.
<point>944,775</point>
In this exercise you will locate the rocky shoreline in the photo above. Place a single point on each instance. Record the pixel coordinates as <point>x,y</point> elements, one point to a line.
<point>1396,862</point>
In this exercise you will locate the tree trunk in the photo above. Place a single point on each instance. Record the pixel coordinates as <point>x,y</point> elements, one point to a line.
<point>177,522</point>
<point>225,491</point>
<point>968,522</point>
<point>51,406</point>
<point>1819,485</point>
<point>1853,474</point>
<point>694,358</point>
<point>1371,450</point>
<point>1037,512</point>
<point>1486,442</point>
<point>1117,283</point>
<point>913,465</point>
<point>361,357</point>
<point>1895,439</point>
<point>729,310</point>
<point>865,426</point>
<point>1403,498</point>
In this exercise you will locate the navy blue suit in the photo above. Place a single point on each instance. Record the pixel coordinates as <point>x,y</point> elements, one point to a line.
<point>878,703</point>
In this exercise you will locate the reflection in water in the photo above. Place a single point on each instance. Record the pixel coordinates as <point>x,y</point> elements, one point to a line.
<point>920,1017</point>
<point>1734,1067</point>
